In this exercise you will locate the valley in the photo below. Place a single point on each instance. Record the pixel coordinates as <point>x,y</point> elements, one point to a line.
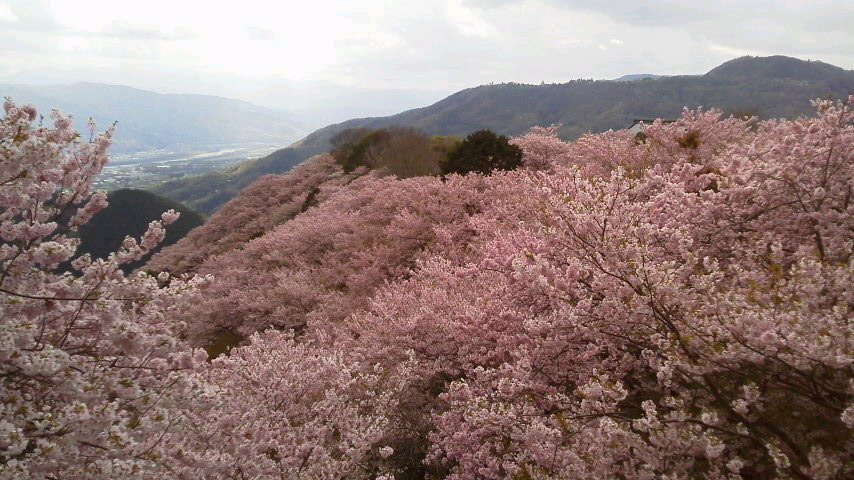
<point>151,168</point>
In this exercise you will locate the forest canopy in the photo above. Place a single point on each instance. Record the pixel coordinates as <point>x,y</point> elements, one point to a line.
<point>675,307</point>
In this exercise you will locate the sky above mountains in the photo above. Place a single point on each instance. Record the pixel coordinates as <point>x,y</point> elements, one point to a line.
<point>262,51</point>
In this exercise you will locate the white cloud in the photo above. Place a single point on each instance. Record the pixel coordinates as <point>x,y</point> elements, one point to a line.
<point>228,47</point>
<point>259,33</point>
<point>6,14</point>
<point>735,52</point>
<point>467,20</point>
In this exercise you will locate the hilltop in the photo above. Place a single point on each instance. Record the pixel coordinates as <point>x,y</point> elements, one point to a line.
<point>128,213</point>
<point>633,77</point>
<point>611,267</point>
<point>782,68</point>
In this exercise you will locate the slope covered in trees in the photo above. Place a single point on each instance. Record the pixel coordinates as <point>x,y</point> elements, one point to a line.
<point>263,205</point>
<point>128,213</point>
<point>205,193</point>
<point>676,307</point>
<point>771,87</point>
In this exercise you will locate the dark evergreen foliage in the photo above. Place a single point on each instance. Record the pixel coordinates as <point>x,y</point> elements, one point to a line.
<point>128,214</point>
<point>482,152</point>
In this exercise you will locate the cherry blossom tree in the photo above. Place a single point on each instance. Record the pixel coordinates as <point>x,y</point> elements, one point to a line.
<point>327,262</point>
<point>672,307</point>
<point>282,409</point>
<point>682,311</point>
<point>266,203</point>
<point>93,374</point>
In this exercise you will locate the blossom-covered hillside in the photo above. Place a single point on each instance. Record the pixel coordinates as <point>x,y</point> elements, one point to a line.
<point>771,87</point>
<point>672,307</point>
<point>269,201</point>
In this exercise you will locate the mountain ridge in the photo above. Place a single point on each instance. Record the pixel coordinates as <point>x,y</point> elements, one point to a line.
<point>578,106</point>
<point>633,77</point>
<point>643,109</point>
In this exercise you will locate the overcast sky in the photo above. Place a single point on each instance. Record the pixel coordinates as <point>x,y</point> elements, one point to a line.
<point>235,48</point>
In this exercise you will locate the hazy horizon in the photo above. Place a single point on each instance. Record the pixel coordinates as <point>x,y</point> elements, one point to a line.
<point>291,54</point>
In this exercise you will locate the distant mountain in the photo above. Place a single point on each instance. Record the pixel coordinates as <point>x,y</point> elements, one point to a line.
<point>637,76</point>
<point>770,87</point>
<point>129,213</point>
<point>583,106</point>
<point>153,121</point>
<point>779,67</point>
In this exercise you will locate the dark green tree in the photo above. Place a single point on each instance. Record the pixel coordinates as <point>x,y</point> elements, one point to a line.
<point>367,152</point>
<point>482,152</point>
<point>345,145</point>
<point>129,213</point>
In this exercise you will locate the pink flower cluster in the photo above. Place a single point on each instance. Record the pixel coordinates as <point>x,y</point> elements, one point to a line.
<point>672,307</point>
<point>91,364</point>
<point>677,306</point>
<point>260,207</point>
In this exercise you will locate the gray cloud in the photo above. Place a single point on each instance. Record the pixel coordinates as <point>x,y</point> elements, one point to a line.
<point>33,15</point>
<point>126,30</point>
<point>259,33</point>
<point>444,45</point>
<point>668,13</point>
<point>793,26</point>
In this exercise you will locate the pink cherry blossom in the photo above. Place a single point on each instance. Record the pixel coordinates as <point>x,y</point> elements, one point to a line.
<point>92,369</point>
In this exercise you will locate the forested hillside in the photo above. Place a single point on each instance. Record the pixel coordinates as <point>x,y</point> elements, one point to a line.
<point>769,87</point>
<point>674,306</point>
<point>206,193</point>
<point>128,213</point>
<point>640,299</point>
